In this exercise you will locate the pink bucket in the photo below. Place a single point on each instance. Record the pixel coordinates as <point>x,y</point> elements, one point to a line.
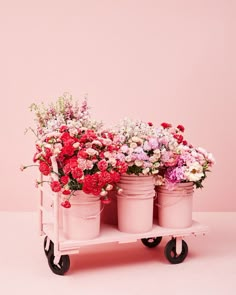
<point>135,204</point>
<point>175,206</point>
<point>82,220</point>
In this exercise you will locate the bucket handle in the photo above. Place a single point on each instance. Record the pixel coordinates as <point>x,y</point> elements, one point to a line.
<point>93,216</point>
<point>170,204</point>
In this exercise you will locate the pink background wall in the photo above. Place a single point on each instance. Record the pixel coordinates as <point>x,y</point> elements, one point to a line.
<point>153,60</point>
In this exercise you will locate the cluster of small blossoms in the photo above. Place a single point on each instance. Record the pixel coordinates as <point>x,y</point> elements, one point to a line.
<point>65,111</point>
<point>139,148</point>
<point>85,155</point>
<point>180,161</point>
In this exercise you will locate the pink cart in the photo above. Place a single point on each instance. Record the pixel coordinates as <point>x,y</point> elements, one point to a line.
<point>57,248</point>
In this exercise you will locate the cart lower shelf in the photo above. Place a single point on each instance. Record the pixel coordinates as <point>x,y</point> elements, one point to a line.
<point>176,249</point>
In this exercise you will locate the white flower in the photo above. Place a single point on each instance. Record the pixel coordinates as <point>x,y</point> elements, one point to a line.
<point>136,139</point>
<point>128,158</point>
<point>194,172</point>
<point>138,163</point>
<point>76,145</point>
<point>107,155</point>
<point>56,151</point>
<point>155,171</point>
<point>91,152</point>
<point>153,159</point>
<point>157,153</point>
<point>133,145</point>
<point>145,171</point>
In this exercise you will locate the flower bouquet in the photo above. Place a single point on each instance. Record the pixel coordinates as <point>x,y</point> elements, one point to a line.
<point>139,150</point>
<point>181,168</point>
<point>86,155</point>
<point>180,162</point>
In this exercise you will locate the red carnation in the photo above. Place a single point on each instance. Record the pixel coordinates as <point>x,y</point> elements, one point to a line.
<point>68,150</point>
<point>83,154</point>
<point>66,192</point>
<point>96,191</point>
<point>67,168</point>
<point>55,186</point>
<point>101,155</point>
<point>65,136</point>
<point>166,125</point>
<point>44,168</point>
<point>115,176</point>
<point>122,167</point>
<point>63,128</point>
<point>66,204</point>
<point>179,137</point>
<point>185,142</point>
<point>77,172</point>
<point>106,177</point>
<point>73,162</point>
<point>64,179</point>
<point>110,135</point>
<point>181,128</point>
<point>150,124</point>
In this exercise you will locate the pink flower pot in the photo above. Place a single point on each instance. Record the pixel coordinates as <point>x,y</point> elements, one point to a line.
<point>82,220</point>
<point>175,206</point>
<point>135,204</point>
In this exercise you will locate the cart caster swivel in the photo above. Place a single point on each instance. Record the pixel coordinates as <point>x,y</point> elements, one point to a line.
<point>51,246</point>
<point>61,267</point>
<point>170,252</point>
<point>151,242</point>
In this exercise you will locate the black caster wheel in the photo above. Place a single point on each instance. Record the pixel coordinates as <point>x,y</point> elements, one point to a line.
<point>170,252</point>
<point>151,242</point>
<point>63,265</point>
<point>50,246</point>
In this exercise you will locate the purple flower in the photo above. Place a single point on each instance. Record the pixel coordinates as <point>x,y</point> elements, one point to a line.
<point>153,142</point>
<point>139,150</point>
<point>175,175</point>
<point>147,146</point>
<point>142,156</point>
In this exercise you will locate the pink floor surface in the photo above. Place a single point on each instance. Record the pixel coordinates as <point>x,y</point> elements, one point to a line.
<point>132,269</point>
